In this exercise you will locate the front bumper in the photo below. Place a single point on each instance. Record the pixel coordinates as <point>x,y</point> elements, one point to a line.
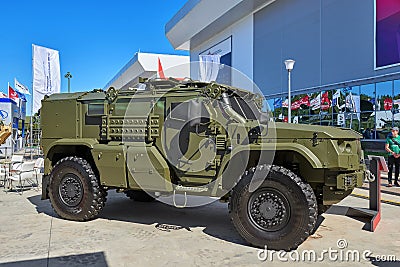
<point>346,181</point>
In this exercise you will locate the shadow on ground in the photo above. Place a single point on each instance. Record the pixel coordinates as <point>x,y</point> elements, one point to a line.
<point>353,213</point>
<point>213,217</point>
<point>90,259</point>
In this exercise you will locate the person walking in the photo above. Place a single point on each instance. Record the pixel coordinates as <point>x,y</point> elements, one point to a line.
<point>393,147</point>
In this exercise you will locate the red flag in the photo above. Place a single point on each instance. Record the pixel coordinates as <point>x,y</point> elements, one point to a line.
<point>12,94</point>
<point>325,101</point>
<point>387,104</point>
<point>305,100</point>
<point>296,105</point>
<point>160,70</point>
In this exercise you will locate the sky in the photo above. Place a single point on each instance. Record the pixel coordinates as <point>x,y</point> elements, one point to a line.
<point>95,38</point>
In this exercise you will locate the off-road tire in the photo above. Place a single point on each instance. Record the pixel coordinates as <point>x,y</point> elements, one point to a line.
<point>74,190</point>
<point>291,200</point>
<point>140,196</point>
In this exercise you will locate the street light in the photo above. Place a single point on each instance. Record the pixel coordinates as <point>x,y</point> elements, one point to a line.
<point>289,63</point>
<point>68,76</point>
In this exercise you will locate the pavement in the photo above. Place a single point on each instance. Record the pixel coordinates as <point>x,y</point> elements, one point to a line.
<point>129,233</point>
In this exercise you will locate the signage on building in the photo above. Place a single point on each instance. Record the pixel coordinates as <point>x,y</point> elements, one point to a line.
<point>387,33</point>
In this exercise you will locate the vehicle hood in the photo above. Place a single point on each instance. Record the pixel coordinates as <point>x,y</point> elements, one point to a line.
<point>290,130</point>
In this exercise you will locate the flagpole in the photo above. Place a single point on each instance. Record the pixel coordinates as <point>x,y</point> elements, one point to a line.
<point>31,120</point>
<point>12,123</point>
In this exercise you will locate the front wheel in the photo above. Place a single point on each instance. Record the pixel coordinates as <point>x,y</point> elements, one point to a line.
<point>279,214</point>
<point>74,190</point>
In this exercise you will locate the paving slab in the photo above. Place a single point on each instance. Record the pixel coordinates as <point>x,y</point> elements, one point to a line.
<point>129,233</point>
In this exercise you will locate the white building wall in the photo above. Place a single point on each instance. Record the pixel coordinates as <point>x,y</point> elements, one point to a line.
<point>242,52</point>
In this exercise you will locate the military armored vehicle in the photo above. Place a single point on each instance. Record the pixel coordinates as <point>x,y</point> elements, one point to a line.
<point>193,138</point>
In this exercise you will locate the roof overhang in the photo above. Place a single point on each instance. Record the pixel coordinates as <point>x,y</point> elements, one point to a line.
<point>198,20</point>
<point>145,65</point>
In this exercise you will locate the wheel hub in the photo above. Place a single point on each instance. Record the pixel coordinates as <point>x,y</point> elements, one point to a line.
<point>71,190</point>
<point>269,210</point>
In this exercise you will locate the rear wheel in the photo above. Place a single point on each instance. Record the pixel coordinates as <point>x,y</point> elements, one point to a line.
<point>74,190</point>
<point>279,214</point>
<point>140,196</point>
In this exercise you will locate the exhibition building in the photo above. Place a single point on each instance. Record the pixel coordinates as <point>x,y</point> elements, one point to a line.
<point>346,54</point>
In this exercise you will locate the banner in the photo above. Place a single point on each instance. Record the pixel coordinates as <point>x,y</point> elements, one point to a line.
<point>335,98</point>
<point>387,103</point>
<point>387,40</point>
<point>160,72</point>
<point>285,103</point>
<point>296,105</point>
<point>13,95</point>
<point>305,100</point>
<point>46,74</point>
<point>278,103</point>
<point>315,103</point>
<point>19,87</point>
<point>209,67</point>
<point>353,103</point>
<point>325,101</point>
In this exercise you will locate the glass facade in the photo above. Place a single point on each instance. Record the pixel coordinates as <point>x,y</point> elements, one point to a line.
<point>371,109</point>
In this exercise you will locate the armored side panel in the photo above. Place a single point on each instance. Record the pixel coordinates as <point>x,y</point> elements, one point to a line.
<point>61,119</point>
<point>147,169</point>
<point>110,161</point>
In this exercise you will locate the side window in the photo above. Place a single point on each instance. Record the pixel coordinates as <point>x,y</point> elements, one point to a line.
<point>95,109</point>
<point>180,110</point>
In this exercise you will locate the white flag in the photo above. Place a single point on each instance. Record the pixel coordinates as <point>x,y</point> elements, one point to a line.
<point>20,87</point>
<point>335,98</point>
<point>209,67</point>
<point>285,103</point>
<point>46,74</point>
<point>315,103</point>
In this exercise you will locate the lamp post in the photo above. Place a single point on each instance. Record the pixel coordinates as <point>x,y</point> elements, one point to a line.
<point>289,63</point>
<point>68,76</point>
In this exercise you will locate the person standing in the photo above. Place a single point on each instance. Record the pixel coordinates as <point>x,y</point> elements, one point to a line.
<point>393,147</point>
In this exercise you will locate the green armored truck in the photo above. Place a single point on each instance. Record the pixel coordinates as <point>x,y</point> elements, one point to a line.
<point>188,138</point>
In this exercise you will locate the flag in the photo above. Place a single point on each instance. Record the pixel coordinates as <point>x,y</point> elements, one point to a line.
<point>285,103</point>
<point>278,103</point>
<point>305,100</point>
<point>350,102</point>
<point>3,95</point>
<point>335,98</point>
<point>209,67</point>
<point>296,105</point>
<point>387,104</point>
<point>46,74</point>
<point>20,88</point>
<point>13,95</point>
<point>353,103</point>
<point>325,101</point>
<point>160,71</point>
<point>315,103</point>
